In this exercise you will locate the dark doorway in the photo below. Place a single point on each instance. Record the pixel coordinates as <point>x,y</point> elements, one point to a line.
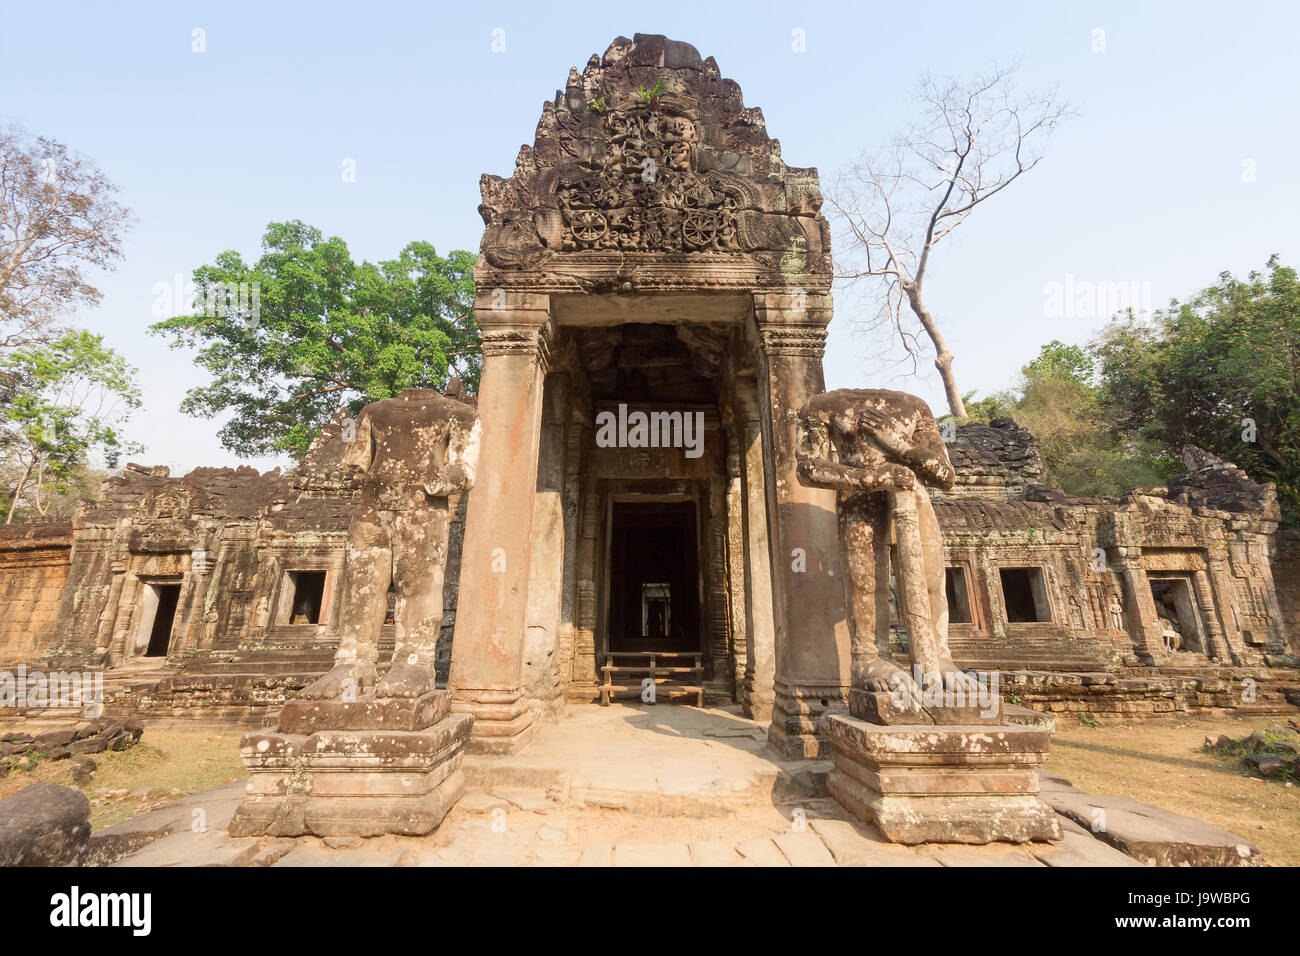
<point>958,596</point>
<point>1176,614</point>
<point>654,594</point>
<point>308,596</point>
<point>164,617</point>
<point>1025,596</point>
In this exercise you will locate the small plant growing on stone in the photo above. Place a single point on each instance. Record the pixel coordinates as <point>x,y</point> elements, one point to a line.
<point>649,96</point>
<point>599,104</point>
<point>1088,721</point>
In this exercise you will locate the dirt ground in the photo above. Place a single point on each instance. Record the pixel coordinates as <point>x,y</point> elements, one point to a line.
<point>1162,762</point>
<point>1158,762</point>
<point>165,764</point>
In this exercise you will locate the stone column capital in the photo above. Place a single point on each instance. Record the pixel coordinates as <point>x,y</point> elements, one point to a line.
<point>793,341</point>
<point>793,307</point>
<point>514,323</point>
<point>792,323</point>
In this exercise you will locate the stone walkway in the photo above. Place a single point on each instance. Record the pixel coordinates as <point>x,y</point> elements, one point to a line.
<point>625,785</point>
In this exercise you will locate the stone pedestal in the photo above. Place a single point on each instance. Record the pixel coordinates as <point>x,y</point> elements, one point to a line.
<point>941,783</point>
<point>359,768</point>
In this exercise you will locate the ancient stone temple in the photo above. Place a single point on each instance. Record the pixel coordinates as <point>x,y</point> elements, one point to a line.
<point>653,294</point>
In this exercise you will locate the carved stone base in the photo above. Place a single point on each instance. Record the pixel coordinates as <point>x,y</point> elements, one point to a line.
<point>941,784</point>
<point>503,724</point>
<point>879,707</point>
<point>797,712</point>
<point>329,780</point>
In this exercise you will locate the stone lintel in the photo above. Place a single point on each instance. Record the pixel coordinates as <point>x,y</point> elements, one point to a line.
<point>666,308</point>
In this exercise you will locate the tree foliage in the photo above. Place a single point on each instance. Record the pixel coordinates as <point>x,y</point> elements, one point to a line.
<point>57,217</point>
<point>305,330</point>
<point>64,401</point>
<point>1057,399</point>
<point>1221,371</point>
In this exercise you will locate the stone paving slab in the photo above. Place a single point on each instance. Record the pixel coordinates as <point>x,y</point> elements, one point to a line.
<point>215,808</point>
<point>309,855</point>
<point>1148,834</point>
<point>991,855</point>
<point>1079,848</point>
<point>658,760</point>
<point>191,848</point>
<point>804,849</point>
<point>852,844</point>
<point>713,853</point>
<point>652,854</point>
<point>762,852</point>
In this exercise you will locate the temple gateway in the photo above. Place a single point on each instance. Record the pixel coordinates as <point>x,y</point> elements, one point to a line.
<point>621,512</point>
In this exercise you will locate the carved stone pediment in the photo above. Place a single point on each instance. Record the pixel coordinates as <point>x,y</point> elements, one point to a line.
<point>647,173</point>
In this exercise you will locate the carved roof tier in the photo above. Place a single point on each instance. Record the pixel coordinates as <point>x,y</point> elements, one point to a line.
<point>648,174</point>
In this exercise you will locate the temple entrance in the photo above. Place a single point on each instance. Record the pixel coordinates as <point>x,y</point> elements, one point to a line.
<point>1177,615</point>
<point>158,618</point>
<point>654,590</point>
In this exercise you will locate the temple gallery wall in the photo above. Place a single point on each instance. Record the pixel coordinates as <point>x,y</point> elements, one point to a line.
<point>652,262</point>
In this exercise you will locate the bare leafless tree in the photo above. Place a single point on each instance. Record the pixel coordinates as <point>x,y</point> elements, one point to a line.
<point>973,139</point>
<point>58,217</point>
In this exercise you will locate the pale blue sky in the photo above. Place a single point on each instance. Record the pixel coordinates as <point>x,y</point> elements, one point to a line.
<point>1147,186</point>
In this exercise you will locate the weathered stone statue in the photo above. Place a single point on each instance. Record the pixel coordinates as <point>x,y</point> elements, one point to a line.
<point>416,450</point>
<point>875,447</point>
<point>351,755</point>
<point>942,764</point>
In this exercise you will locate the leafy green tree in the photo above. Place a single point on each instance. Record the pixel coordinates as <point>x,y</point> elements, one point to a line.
<point>64,401</point>
<point>1057,399</point>
<point>1068,363</point>
<point>1221,371</point>
<point>304,330</point>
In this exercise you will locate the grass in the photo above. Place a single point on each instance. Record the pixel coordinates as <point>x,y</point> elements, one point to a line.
<point>1163,763</point>
<point>166,764</point>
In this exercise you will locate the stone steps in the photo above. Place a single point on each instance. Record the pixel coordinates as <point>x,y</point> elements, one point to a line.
<point>687,787</point>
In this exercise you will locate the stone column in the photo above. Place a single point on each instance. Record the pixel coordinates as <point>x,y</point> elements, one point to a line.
<point>1216,641</point>
<point>569,580</point>
<point>758,693</point>
<point>1224,594</point>
<point>735,582</point>
<point>585,665</point>
<point>718,666</point>
<point>1143,622</point>
<point>542,679</point>
<point>487,650</point>
<point>812,633</point>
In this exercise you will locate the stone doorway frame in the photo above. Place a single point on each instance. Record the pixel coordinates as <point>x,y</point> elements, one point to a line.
<point>693,494</point>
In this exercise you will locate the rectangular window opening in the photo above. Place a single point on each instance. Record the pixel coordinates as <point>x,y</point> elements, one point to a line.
<point>307,596</point>
<point>1024,595</point>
